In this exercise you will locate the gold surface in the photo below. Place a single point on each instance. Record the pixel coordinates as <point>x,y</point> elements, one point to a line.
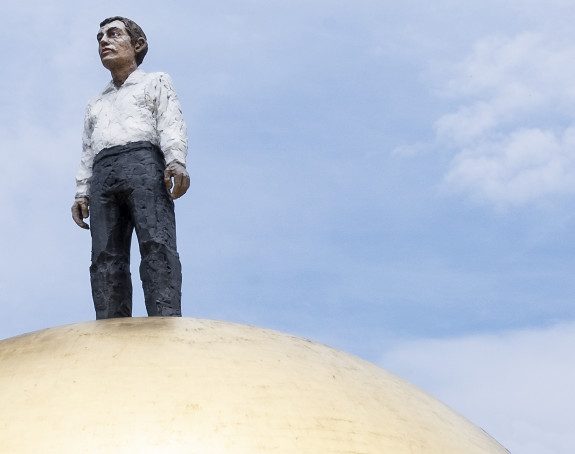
<point>181,385</point>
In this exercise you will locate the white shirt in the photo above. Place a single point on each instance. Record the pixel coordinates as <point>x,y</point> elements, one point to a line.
<point>144,108</point>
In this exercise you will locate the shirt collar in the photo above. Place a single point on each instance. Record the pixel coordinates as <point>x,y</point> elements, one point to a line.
<point>132,79</point>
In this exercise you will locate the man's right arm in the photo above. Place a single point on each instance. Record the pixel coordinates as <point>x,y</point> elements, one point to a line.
<point>80,209</point>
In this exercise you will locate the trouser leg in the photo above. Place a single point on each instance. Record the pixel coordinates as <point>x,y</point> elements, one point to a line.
<point>160,271</point>
<point>154,220</point>
<point>111,228</point>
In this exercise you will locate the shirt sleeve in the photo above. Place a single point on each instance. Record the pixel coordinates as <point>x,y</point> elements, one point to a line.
<point>170,124</point>
<point>84,174</point>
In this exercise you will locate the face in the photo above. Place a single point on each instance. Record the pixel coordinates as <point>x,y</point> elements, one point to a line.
<point>115,46</point>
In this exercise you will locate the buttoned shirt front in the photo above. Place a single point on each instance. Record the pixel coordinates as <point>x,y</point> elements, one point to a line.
<point>144,108</point>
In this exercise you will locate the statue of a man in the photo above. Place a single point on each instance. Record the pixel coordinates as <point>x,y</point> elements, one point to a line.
<point>134,145</point>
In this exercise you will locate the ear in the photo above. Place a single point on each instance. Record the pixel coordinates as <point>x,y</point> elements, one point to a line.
<point>141,42</point>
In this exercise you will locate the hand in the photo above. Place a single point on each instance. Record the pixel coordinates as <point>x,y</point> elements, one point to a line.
<point>80,211</point>
<point>181,178</point>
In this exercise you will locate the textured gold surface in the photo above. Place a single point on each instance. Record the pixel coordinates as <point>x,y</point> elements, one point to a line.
<point>180,385</point>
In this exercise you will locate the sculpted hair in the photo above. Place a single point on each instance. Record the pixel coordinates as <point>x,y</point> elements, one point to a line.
<point>135,33</point>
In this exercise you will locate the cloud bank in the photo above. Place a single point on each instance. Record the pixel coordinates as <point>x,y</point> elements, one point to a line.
<point>497,381</point>
<point>511,124</point>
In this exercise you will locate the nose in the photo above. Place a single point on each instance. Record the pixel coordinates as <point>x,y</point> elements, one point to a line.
<point>103,41</point>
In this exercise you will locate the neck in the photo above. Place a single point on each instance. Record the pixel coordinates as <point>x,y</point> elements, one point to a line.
<point>119,75</point>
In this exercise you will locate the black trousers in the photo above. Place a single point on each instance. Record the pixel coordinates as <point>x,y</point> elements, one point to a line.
<point>127,192</point>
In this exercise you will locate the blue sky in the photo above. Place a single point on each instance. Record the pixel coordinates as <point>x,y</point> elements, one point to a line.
<point>394,179</point>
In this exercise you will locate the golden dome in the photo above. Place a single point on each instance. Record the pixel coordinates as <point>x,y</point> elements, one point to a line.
<point>188,386</point>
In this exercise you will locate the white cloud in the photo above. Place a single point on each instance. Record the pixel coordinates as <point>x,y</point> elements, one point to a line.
<point>518,386</point>
<point>523,165</point>
<point>513,128</point>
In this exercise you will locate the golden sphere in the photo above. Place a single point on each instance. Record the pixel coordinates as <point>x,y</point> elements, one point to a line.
<point>187,386</point>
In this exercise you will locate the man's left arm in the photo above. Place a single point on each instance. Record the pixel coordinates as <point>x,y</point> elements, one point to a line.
<point>173,137</point>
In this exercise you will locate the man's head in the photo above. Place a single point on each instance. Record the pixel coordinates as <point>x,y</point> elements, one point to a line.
<point>114,35</point>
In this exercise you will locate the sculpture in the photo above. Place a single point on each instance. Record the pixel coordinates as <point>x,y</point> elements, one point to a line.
<point>134,145</point>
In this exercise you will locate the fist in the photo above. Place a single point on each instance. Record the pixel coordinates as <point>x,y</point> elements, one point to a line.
<point>179,174</point>
<point>80,211</point>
